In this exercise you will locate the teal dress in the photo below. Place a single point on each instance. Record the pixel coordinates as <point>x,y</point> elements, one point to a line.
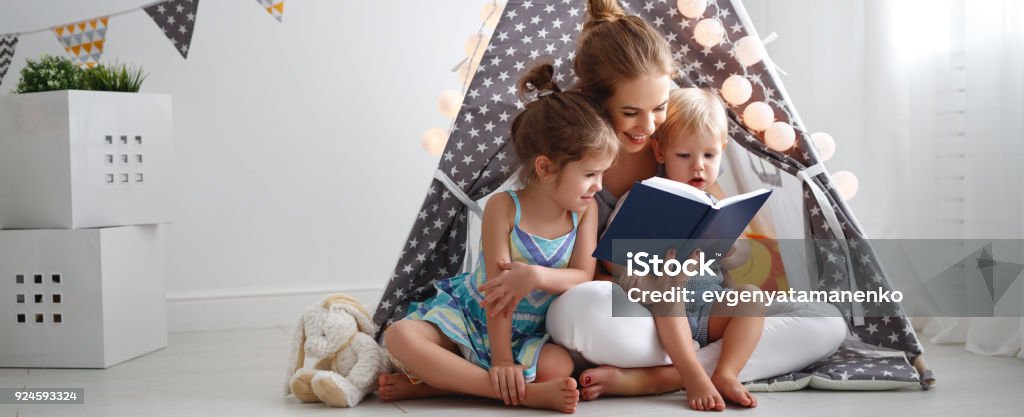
<point>456,310</point>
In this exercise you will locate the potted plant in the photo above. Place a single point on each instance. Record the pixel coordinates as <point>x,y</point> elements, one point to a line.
<point>82,148</point>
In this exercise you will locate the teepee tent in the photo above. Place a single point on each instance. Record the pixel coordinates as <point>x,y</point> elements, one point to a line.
<point>710,45</point>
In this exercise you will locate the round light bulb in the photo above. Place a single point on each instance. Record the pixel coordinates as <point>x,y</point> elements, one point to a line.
<point>736,90</point>
<point>491,20</point>
<point>449,102</point>
<point>476,43</point>
<point>692,9</point>
<point>846,184</point>
<point>825,145</point>
<point>758,116</point>
<point>467,71</point>
<point>434,140</point>
<point>708,32</point>
<point>749,51</point>
<point>779,136</point>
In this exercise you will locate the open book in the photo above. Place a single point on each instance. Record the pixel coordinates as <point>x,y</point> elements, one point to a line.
<point>659,209</point>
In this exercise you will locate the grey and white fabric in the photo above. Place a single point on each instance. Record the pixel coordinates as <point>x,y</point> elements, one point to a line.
<point>477,159</point>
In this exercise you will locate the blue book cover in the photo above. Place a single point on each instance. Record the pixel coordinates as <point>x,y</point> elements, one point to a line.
<point>659,209</point>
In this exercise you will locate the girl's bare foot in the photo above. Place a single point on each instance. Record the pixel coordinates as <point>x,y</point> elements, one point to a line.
<point>733,391</point>
<point>609,380</point>
<point>397,386</point>
<point>558,394</point>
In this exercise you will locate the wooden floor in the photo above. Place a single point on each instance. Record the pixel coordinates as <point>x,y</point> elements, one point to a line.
<point>241,373</point>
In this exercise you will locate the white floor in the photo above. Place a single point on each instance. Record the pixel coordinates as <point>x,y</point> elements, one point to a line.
<point>241,373</point>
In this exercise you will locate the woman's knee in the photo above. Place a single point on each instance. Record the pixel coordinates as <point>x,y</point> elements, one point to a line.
<point>574,313</point>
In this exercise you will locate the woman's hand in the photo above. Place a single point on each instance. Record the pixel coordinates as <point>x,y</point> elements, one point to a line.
<point>503,292</point>
<point>508,381</point>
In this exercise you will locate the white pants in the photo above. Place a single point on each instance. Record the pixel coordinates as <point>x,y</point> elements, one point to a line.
<point>795,334</point>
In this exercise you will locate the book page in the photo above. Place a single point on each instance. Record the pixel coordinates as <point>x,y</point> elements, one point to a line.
<point>683,190</point>
<point>737,198</point>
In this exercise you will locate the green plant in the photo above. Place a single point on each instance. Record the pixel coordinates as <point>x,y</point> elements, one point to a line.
<point>115,77</point>
<point>49,73</point>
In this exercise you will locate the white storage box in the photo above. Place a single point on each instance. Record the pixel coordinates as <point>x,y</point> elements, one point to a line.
<point>87,298</point>
<point>78,159</point>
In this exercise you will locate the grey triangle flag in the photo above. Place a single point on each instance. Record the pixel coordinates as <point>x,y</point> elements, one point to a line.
<point>7,46</point>
<point>176,18</point>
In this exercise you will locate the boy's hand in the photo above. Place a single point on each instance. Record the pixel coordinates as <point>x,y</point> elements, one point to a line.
<point>504,292</point>
<point>737,255</point>
<point>508,381</point>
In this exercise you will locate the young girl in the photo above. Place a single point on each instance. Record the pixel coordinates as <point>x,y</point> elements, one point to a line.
<point>542,236</point>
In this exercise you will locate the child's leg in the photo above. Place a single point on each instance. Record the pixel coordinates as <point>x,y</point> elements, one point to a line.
<point>428,354</point>
<point>675,337</point>
<point>740,329</point>
<point>554,363</point>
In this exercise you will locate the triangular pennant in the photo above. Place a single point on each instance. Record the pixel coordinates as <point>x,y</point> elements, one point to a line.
<point>274,7</point>
<point>83,40</point>
<point>7,46</point>
<point>176,18</point>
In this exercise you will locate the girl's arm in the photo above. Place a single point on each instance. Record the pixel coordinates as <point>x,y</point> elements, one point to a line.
<point>582,263</point>
<point>504,292</point>
<point>506,376</point>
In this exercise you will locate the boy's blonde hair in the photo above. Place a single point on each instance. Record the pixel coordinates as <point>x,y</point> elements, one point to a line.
<point>694,111</point>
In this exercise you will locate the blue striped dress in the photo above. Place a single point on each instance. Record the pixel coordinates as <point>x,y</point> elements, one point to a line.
<point>456,310</point>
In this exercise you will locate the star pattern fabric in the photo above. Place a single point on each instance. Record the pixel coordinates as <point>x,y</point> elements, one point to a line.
<point>8,43</point>
<point>478,160</point>
<point>84,40</point>
<point>176,18</point>
<point>274,7</point>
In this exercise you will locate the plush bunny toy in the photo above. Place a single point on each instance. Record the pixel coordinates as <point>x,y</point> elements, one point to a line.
<point>334,358</point>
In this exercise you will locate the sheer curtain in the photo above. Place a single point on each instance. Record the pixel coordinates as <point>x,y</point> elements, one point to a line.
<point>925,99</point>
<point>974,164</point>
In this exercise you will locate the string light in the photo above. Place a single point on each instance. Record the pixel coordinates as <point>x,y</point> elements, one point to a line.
<point>779,136</point>
<point>749,51</point>
<point>491,13</point>
<point>825,145</point>
<point>758,116</point>
<point>449,102</point>
<point>846,184</point>
<point>709,32</point>
<point>692,9</point>
<point>434,140</point>
<point>736,90</point>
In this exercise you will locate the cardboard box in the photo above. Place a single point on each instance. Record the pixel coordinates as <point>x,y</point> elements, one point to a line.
<point>79,159</point>
<point>87,298</point>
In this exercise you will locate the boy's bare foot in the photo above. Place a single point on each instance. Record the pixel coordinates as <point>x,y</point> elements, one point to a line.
<point>558,394</point>
<point>733,391</point>
<point>701,394</point>
<point>609,380</point>
<point>397,386</point>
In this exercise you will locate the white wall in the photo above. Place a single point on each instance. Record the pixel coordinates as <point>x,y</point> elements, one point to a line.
<point>298,143</point>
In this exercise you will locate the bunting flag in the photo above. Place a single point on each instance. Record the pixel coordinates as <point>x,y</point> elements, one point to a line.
<point>7,45</point>
<point>84,40</point>
<point>274,7</point>
<point>176,18</point>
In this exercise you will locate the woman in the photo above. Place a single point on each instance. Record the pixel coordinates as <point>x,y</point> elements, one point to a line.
<point>625,64</point>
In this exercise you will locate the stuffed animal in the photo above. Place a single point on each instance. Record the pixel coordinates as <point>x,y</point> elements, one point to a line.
<point>334,357</point>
